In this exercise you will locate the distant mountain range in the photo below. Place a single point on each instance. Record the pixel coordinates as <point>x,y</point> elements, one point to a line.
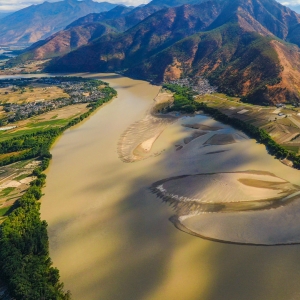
<point>37,22</point>
<point>248,48</point>
<point>4,14</point>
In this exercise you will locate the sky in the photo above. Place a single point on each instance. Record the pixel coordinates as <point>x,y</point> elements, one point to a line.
<point>13,5</point>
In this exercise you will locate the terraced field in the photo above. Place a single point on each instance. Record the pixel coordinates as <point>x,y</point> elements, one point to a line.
<point>283,124</point>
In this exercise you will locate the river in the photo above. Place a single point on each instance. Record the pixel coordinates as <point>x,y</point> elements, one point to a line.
<point>111,238</point>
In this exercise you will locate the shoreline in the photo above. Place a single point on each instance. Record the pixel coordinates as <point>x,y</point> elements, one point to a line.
<point>136,142</point>
<point>27,209</point>
<point>260,135</point>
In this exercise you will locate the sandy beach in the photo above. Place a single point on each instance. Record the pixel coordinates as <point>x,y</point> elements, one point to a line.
<point>136,142</point>
<point>226,187</point>
<point>226,199</point>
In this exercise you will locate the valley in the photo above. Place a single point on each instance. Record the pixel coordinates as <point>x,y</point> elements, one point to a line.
<point>134,225</point>
<point>184,185</point>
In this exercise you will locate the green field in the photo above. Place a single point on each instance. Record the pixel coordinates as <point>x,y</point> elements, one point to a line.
<point>34,127</point>
<point>21,177</point>
<point>3,211</point>
<point>7,191</point>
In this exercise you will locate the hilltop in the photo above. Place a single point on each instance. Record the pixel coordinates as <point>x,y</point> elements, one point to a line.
<point>37,22</point>
<point>240,46</point>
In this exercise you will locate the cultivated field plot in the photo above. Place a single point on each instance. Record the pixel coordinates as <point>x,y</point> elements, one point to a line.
<point>55,118</point>
<point>283,123</point>
<point>24,68</point>
<point>14,181</point>
<point>31,104</point>
<point>31,94</point>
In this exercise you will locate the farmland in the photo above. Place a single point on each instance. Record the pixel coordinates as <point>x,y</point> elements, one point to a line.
<point>281,123</point>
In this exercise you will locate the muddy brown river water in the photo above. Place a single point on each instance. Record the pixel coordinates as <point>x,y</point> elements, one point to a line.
<point>111,238</point>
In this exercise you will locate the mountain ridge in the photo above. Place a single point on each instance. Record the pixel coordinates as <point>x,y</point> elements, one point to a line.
<point>37,22</point>
<point>119,19</point>
<point>197,39</point>
<point>76,34</point>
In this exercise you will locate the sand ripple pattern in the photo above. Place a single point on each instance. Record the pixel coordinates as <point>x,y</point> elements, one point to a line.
<point>251,207</point>
<point>136,142</point>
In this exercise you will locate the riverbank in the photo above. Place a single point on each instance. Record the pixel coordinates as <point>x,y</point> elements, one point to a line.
<point>136,142</point>
<point>24,247</point>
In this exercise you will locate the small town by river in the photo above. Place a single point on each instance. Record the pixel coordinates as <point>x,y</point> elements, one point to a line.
<point>111,238</point>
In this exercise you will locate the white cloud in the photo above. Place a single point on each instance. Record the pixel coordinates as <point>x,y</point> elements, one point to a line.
<point>290,2</point>
<point>11,5</point>
<point>128,2</point>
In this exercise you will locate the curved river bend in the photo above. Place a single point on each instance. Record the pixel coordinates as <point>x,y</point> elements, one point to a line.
<point>110,236</point>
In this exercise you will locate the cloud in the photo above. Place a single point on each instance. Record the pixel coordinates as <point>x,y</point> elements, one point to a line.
<point>12,5</point>
<point>290,2</point>
<point>129,2</point>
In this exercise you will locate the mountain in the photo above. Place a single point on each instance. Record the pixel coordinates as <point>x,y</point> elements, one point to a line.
<point>173,3</point>
<point>36,22</point>
<point>4,14</point>
<point>239,62</point>
<point>78,33</point>
<point>239,45</point>
<point>118,19</point>
<point>63,42</point>
<point>118,12</point>
<point>125,20</point>
<point>152,35</point>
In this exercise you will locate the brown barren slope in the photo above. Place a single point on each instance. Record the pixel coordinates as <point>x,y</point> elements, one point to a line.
<point>65,41</point>
<point>289,87</point>
<point>232,43</point>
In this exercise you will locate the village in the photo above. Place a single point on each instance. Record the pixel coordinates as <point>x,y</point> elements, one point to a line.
<point>198,84</point>
<point>77,91</point>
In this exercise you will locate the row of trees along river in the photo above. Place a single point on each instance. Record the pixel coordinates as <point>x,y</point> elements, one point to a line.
<point>184,102</point>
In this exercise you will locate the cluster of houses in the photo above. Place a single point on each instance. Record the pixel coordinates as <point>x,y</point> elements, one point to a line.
<point>198,84</point>
<point>78,91</point>
<point>280,105</point>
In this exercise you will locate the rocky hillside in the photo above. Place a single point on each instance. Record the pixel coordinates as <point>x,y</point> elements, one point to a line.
<point>77,34</point>
<point>294,35</point>
<point>63,42</point>
<point>118,19</point>
<point>114,14</point>
<point>154,34</point>
<point>238,44</point>
<point>37,22</point>
<point>124,20</point>
<point>239,62</point>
